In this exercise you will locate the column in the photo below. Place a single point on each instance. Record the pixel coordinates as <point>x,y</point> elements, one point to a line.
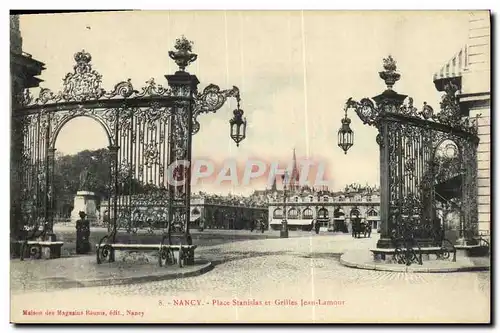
<point>183,86</point>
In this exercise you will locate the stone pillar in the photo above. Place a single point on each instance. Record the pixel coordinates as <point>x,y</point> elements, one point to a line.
<point>84,201</point>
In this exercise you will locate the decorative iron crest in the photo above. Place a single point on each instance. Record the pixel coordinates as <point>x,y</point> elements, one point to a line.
<point>84,84</point>
<point>370,112</point>
<point>210,100</point>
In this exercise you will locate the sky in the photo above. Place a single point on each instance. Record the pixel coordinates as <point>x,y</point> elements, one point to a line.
<point>295,70</point>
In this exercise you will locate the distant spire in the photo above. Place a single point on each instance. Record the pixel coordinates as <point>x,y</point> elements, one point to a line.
<point>274,187</point>
<point>294,177</point>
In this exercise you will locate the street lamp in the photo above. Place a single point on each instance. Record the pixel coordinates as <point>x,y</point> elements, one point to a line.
<point>284,224</point>
<point>345,134</point>
<point>238,124</point>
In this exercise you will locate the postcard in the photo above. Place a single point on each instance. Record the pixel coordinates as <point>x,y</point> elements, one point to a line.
<point>250,167</point>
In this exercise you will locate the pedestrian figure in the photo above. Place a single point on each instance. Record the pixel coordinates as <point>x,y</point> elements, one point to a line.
<point>252,225</point>
<point>262,226</point>
<point>82,234</point>
<point>316,227</point>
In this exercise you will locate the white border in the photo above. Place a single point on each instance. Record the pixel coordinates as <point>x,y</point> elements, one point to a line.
<point>185,4</point>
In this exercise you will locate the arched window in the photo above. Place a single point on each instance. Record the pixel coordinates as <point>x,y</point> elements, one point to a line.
<point>307,213</point>
<point>311,198</point>
<point>323,213</point>
<point>372,212</point>
<point>355,212</point>
<point>278,213</point>
<point>195,211</point>
<point>293,214</point>
<point>296,199</point>
<point>338,213</point>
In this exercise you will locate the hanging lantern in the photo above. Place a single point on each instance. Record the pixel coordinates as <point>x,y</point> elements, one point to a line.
<point>345,134</point>
<point>238,126</point>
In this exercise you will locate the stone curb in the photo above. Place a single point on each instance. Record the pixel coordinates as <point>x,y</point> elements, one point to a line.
<point>406,269</point>
<point>206,267</point>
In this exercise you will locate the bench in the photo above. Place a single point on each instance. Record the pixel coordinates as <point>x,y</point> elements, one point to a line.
<point>185,253</point>
<point>479,250</point>
<point>442,252</point>
<point>35,249</point>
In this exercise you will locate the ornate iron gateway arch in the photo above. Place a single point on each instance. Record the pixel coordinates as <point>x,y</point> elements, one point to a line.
<point>419,152</point>
<point>149,132</point>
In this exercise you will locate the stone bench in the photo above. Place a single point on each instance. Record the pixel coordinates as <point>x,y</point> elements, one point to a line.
<point>382,253</point>
<point>474,250</point>
<point>35,249</point>
<point>185,253</point>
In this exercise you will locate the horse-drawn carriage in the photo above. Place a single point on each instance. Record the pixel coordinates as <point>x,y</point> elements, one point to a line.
<point>361,228</point>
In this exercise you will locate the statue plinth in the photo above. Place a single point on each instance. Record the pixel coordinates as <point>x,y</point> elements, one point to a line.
<point>85,201</point>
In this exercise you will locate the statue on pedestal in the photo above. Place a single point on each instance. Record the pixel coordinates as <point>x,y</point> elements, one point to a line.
<point>84,179</point>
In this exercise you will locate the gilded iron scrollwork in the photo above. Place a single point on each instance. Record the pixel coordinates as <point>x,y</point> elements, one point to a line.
<point>149,128</point>
<point>409,137</point>
<point>210,100</point>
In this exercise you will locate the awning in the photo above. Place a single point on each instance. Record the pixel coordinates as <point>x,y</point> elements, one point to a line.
<point>292,221</point>
<point>452,69</point>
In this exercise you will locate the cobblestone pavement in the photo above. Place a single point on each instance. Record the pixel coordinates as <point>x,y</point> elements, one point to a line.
<point>284,272</point>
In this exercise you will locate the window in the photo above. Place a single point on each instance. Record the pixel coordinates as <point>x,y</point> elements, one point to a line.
<point>307,213</point>
<point>325,198</point>
<point>372,213</point>
<point>355,212</point>
<point>369,198</point>
<point>293,214</point>
<point>278,213</point>
<point>341,198</point>
<point>322,213</point>
<point>296,199</point>
<point>311,198</point>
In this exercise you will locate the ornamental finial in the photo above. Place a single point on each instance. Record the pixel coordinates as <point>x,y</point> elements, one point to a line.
<point>183,56</point>
<point>389,75</point>
<point>390,64</point>
<point>83,57</point>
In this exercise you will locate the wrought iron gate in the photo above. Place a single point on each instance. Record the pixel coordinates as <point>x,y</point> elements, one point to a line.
<point>409,141</point>
<point>149,132</point>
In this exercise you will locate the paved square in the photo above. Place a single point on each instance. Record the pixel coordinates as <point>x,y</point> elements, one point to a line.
<point>300,278</point>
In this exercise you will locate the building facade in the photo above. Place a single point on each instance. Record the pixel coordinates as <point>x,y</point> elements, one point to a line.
<point>208,211</point>
<point>470,71</point>
<point>24,70</point>
<point>333,210</point>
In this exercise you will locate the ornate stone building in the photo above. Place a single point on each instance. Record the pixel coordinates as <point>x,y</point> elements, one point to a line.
<point>333,210</point>
<point>210,211</point>
<point>226,212</point>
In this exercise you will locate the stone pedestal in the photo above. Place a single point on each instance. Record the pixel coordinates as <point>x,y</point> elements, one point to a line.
<point>84,201</point>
